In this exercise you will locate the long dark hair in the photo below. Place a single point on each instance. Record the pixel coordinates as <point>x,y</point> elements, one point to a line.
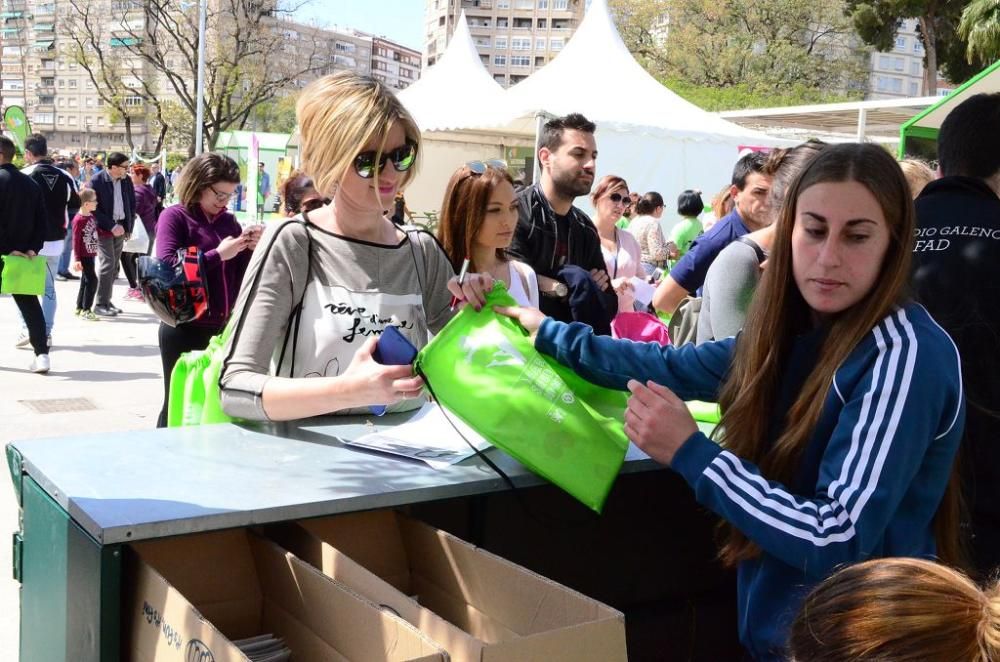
<point>464,209</point>
<point>779,312</point>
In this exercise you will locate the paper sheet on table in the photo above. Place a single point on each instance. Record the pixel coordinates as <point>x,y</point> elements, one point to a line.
<point>642,291</point>
<point>428,436</point>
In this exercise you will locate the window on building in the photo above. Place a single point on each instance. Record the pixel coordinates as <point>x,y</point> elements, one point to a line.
<point>884,62</point>
<point>897,63</point>
<point>524,4</point>
<point>62,119</point>
<point>560,4</point>
<point>915,68</point>
<point>520,61</point>
<point>556,44</point>
<point>520,44</point>
<point>482,42</point>
<point>503,4</point>
<point>345,47</point>
<point>500,43</point>
<point>881,83</point>
<point>917,46</point>
<point>441,20</point>
<point>897,85</point>
<point>900,43</point>
<point>502,22</point>
<point>90,102</point>
<point>500,78</point>
<point>100,121</point>
<point>499,60</point>
<point>72,83</point>
<point>44,118</point>
<point>540,44</point>
<point>914,89</point>
<point>73,119</point>
<point>62,82</point>
<point>543,4</point>
<point>133,101</point>
<point>542,23</point>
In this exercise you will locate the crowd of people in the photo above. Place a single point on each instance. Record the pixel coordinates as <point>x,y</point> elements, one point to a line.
<point>842,306</point>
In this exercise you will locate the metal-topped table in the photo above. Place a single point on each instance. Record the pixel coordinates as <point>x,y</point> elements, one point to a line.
<point>83,496</point>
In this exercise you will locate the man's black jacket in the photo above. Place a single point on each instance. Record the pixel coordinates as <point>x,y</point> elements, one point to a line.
<point>23,219</point>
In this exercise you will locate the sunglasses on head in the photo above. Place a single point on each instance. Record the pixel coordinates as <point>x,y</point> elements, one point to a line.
<point>618,197</point>
<point>403,158</point>
<point>479,167</point>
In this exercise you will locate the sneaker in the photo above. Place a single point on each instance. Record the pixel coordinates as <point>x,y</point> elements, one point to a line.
<point>89,316</point>
<point>79,311</point>
<point>66,275</point>
<point>40,364</point>
<point>105,311</point>
<point>61,276</point>
<point>23,341</point>
<point>134,293</point>
<point>114,308</point>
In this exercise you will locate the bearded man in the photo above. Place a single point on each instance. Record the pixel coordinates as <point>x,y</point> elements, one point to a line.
<point>558,240</point>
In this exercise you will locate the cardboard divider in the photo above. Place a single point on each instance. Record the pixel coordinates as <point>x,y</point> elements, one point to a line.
<point>188,598</point>
<point>477,606</point>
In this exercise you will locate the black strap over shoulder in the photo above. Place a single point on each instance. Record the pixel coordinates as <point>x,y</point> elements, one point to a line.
<point>761,255</point>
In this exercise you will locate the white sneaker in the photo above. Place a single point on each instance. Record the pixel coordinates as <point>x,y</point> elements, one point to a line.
<point>40,364</point>
<point>23,341</point>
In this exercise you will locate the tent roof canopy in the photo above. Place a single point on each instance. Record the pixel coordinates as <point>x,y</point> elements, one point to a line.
<point>986,82</point>
<point>872,119</point>
<point>457,91</point>
<point>588,75</point>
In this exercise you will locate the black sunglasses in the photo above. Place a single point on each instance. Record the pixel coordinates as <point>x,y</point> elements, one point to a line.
<point>479,167</point>
<point>403,158</point>
<point>618,197</point>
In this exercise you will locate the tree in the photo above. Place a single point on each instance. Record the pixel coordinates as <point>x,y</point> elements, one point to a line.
<point>251,57</point>
<point>275,116</point>
<point>878,20</point>
<point>799,50</point>
<point>118,81</point>
<point>979,27</point>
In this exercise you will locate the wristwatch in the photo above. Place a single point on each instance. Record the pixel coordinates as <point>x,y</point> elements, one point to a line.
<point>559,291</point>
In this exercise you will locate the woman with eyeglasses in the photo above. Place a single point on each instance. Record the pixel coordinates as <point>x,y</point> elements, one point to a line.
<point>622,254</point>
<point>478,218</point>
<point>321,293</point>
<point>201,219</point>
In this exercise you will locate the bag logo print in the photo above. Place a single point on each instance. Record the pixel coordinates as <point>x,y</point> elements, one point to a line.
<point>505,354</point>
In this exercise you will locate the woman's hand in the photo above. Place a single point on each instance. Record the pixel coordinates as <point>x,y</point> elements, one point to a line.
<point>473,289</point>
<point>622,285</point>
<point>230,247</point>
<point>657,421</point>
<point>530,318</point>
<point>377,384</point>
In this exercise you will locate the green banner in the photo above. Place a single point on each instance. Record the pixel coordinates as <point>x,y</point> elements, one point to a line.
<point>17,125</point>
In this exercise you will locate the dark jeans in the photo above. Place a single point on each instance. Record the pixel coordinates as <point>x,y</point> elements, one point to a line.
<point>174,341</point>
<point>31,313</point>
<point>130,267</point>
<point>88,284</point>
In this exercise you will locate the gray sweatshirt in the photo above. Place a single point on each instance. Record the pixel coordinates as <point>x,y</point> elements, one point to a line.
<point>728,289</point>
<point>353,290</point>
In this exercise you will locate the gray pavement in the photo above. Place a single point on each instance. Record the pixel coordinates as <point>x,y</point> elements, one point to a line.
<point>114,364</point>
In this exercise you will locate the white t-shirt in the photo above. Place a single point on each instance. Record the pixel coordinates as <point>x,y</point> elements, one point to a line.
<point>626,260</point>
<point>521,273</point>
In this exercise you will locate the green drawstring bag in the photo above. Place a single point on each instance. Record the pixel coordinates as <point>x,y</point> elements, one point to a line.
<point>484,368</point>
<point>195,397</point>
<point>704,412</point>
<point>23,275</point>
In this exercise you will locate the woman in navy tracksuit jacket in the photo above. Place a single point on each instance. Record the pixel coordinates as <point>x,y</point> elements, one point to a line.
<point>830,328</point>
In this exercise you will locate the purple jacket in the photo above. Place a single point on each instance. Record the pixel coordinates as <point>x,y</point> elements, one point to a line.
<point>145,207</point>
<point>178,228</point>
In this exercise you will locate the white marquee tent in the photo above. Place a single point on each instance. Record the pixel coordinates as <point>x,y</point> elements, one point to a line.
<point>647,134</point>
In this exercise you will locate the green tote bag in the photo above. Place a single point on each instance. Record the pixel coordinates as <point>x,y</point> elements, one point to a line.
<point>195,397</point>
<point>23,275</point>
<point>484,368</point>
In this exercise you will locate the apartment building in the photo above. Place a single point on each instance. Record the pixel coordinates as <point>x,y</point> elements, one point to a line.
<point>514,37</point>
<point>395,65</point>
<point>37,71</point>
<point>899,73</point>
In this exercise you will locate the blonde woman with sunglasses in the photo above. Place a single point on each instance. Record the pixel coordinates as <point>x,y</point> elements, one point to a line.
<point>334,278</point>
<point>478,219</point>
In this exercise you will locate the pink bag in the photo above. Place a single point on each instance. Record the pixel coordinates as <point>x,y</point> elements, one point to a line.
<point>641,327</point>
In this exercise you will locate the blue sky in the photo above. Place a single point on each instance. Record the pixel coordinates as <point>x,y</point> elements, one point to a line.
<point>400,20</point>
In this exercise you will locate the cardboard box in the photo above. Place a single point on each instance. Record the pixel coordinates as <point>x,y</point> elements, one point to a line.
<point>187,598</point>
<point>477,606</point>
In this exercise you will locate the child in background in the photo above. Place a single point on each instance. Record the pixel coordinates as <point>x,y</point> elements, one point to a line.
<point>84,251</point>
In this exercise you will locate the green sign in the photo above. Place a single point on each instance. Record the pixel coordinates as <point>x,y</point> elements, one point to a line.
<point>16,123</point>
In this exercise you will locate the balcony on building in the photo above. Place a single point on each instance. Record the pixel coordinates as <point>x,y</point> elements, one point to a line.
<point>477,4</point>
<point>523,24</point>
<point>562,24</point>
